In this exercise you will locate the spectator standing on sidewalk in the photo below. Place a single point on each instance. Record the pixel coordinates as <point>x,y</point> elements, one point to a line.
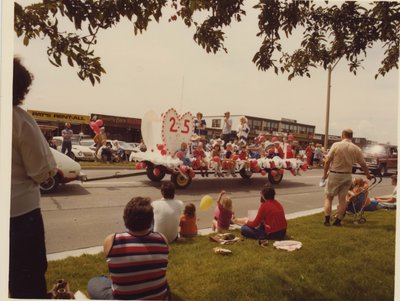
<point>32,164</point>
<point>337,171</point>
<point>227,128</point>
<point>67,135</point>
<point>310,154</point>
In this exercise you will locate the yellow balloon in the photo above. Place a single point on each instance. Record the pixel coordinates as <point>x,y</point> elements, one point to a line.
<point>206,202</point>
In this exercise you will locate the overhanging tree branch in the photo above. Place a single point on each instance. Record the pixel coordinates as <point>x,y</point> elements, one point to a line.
<point>329,32</point>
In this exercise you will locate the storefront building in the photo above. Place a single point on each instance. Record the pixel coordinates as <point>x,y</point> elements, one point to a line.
<point>121,128</point>
<point>263,126</point>
<point>52,123</point>
<point>118,128</point>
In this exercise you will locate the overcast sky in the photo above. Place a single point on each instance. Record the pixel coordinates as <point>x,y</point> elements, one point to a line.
<point>165,68</point>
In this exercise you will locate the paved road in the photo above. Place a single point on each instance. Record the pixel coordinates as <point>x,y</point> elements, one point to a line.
<point>80,215</point>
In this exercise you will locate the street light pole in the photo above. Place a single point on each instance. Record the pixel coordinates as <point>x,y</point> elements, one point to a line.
<point>328,104</point>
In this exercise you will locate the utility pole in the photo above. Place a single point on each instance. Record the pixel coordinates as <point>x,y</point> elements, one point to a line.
<point>328,103</point>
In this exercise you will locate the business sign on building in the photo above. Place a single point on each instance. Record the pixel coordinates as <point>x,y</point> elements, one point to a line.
<point>59,117</point>
<point>334,138</point>
<point>119,121</point>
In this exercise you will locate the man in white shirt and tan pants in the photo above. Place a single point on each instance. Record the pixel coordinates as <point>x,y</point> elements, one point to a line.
<point>338,171</point>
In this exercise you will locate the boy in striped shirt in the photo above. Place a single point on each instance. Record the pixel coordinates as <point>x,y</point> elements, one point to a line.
<point>137,259</point>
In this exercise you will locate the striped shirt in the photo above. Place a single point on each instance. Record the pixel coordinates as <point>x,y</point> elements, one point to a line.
<point>138,266</point>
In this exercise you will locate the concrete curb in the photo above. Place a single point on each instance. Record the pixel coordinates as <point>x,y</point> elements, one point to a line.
<point>205,231</point>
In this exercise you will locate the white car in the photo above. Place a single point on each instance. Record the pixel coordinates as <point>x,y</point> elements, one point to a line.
<point>79,152</point>
<point>125,146</point>
<point>67,170</point>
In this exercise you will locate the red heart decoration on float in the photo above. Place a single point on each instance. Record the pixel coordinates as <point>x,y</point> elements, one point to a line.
<point>176,129</point>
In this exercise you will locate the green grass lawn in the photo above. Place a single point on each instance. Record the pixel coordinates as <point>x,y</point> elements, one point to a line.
<point>355,262</point>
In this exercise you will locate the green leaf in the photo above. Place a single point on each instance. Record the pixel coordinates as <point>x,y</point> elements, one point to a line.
<point>26,40</point>
<point>70,61</point>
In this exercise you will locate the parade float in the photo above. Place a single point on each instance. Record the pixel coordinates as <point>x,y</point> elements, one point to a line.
<point>164,135</point>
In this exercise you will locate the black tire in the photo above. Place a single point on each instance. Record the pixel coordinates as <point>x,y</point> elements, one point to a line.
<point>275,179</point>
<point>50,185</point>
<point>381,171</point>
<point>152,176</point>
<point>244,174</point>
<point>180,181</point>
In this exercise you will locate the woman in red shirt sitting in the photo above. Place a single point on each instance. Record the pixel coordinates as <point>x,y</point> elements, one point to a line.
<point>270,222</point>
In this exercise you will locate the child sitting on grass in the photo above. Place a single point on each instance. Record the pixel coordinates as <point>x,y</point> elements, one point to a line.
<point>223,213</point>
<point>188,222</point>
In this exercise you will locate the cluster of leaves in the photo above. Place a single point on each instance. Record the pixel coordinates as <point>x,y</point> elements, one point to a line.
<point>330,32</point>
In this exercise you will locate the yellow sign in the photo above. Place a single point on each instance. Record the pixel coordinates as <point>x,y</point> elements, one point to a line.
<point>62,117</point>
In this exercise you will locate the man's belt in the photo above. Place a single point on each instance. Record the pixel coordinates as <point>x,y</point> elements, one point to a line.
<point>340,172</point>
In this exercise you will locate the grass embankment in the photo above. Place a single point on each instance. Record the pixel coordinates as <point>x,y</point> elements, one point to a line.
<point>355,262</point>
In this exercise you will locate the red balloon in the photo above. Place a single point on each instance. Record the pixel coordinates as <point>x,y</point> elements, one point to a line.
<point>216,159</point>
<point>304,167</point>
<point>163,152</point>
<point>293,171</point>
<point>263,172</point>
<point>180,155</point>
<point>139,165</point>
<point>156,171</point>
<point>94,127</point>
<point>272,163</point>
<point>99,122</point>
<point>274,173</point>
<point>160,146</point>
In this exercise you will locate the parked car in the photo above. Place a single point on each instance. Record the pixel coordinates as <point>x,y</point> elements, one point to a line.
<point>125,146</point>
<point>67,170</point>
<point>79,152</point>
<point>380,158</point>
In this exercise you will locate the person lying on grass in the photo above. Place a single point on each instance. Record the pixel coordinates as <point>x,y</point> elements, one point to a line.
<point>270,221</point>
<point>137,259</point>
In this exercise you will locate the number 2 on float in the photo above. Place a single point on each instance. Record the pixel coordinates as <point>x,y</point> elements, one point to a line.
<point>185,125</point>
